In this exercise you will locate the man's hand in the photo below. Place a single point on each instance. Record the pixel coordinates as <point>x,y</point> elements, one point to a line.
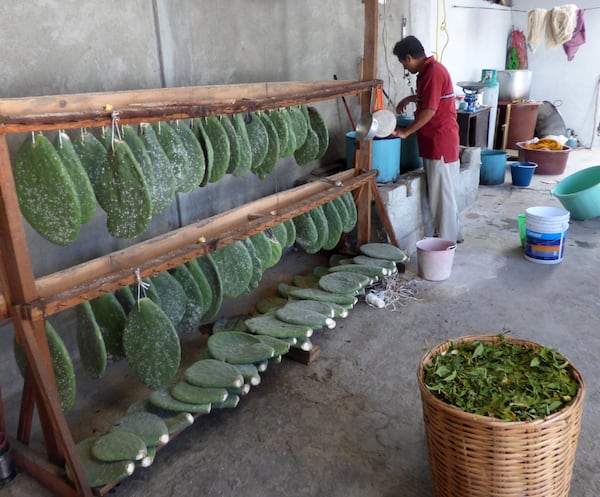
<point>400,133</point>
<point>401,107</point>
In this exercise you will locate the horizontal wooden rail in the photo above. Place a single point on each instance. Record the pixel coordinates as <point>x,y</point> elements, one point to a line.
<point>67,288</point>
<point>18,115</point>
<point>51,476</point>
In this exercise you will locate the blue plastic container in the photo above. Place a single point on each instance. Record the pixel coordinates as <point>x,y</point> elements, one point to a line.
<point>409,150</point>
<point>579,193</point>
<point>493,167</point>
<point>522,173</point>
<point>385,158</point>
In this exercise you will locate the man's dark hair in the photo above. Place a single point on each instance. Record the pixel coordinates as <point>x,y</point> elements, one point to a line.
<point>409,46</point>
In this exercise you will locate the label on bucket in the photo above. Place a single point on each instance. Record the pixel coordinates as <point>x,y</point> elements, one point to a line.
<point>544,246</point>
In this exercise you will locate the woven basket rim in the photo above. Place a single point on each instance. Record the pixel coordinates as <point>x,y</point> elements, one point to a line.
<point>488,420</point>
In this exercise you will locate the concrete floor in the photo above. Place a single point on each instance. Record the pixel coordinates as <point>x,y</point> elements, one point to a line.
<point>349,424</point>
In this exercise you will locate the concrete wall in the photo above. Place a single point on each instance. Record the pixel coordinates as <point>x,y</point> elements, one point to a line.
<point>72,47</point>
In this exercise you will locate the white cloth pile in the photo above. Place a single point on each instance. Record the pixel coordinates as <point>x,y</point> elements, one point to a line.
<point>562,25</point>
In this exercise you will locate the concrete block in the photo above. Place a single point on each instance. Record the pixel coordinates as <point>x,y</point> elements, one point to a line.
<point>407,206</point>
<point>467,184</point>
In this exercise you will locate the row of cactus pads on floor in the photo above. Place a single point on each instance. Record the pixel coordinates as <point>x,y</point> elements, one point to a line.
<point>238,350</point>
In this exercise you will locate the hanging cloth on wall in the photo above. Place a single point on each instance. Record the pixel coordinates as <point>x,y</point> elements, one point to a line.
<point>516,57</point>
<point>560,24</point>
<point>578,38</point>
<point>535,28</point>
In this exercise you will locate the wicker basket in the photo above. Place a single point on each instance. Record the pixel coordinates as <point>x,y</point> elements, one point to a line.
<point>479,456</point>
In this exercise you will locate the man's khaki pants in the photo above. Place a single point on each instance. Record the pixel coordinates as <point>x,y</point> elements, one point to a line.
<point>442,199</point>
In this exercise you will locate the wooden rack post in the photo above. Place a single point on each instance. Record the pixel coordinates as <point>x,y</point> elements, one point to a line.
<point>18,284</point>
<point>364,150</point>
<point>29,301</point>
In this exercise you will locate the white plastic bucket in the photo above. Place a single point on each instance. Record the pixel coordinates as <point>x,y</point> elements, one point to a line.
<point>434,258</point>
<point>545,233</point>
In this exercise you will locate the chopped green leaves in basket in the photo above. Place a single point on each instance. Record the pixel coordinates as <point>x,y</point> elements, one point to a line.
<point>504,380</point>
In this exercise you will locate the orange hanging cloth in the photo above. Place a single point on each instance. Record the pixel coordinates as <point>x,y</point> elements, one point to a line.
<point>378,99</point>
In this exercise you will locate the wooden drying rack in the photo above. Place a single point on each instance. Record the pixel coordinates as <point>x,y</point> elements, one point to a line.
<point>28,301</point>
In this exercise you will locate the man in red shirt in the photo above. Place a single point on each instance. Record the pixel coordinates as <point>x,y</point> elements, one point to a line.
<point>437,132</point>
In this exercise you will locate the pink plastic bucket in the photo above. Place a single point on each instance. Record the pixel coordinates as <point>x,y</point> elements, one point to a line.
<point>434,258</point>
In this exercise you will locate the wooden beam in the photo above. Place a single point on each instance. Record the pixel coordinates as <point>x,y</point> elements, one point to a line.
<point>67,288</point>
<point>17,277</point>
<point>52,477</point>
<point>2,420</point>
<point>18,115</point>
<point>27,406</point>
<point>363,162</point>
<point>369,62</point>
<point>384,215</point>
<point>303,356</point>
<point>18,284</point>
<point>364,150</point>
<point>59,441</point>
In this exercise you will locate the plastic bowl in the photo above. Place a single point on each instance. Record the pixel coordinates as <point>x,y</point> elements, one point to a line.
<point>579,193</point>
<point>548,161</point>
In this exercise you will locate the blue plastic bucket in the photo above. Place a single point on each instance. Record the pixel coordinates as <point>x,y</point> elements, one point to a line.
<point>385,158</point>
<point>409,150</point>
<point>545,234</point>
<point>522,173</point>
<point>579,193</point>
<point>493,167</point>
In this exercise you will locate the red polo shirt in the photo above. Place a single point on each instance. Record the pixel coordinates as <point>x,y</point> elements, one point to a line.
<point>439,137</point>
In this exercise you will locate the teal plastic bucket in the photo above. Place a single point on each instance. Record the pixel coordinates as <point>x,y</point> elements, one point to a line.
<point>493,167</point>
<point>545,233</point>
<point>409,153</point>
<point>579,193</point>
<point>385,158</point>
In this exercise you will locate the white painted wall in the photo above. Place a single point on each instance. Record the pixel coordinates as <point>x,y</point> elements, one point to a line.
<point>476,39</point>
<point>477,33</point>
<point>557,79</point>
